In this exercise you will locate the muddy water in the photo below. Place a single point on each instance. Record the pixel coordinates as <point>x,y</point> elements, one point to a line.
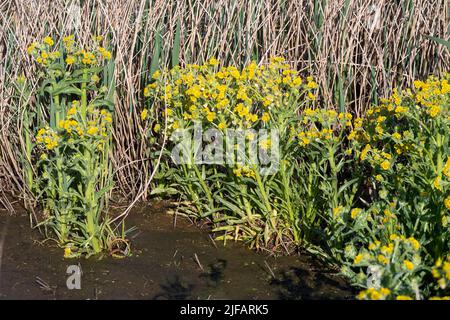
<point>170,261</point>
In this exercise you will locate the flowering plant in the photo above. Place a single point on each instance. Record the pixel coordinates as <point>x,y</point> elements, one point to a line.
<point>74,173</point>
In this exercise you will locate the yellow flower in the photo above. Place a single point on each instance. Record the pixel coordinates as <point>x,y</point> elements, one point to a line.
<point>387,249</point>
<point>438,263</point>
<point>297,81</point>
<point>380,119</point>
<point>358,259</point>
<point>156,75</point>
<point>265,144</point>
<point>92,130</point>
<point>213,62</point>
<point>361,295</point>
<point>62,124</point>
<point>374,245</point>
<point>70,60</point>
<point>305,141</point>
<point>401,297</point>
<point>437,183</point>
<point>311,96</point>
<point>408,265</point>
<point>48,41</point>
<point>446,170</point>
<point>55,55</point>
<point>32,47</point>
<point>237,172</point>
<point>108,118</point>
<point>222,125</point>
<point>68,38</point>
<point>354,213</point>
<point>312,84</point>
<point>250,136</point>
<point>385,291</point>
<point>337,211</point>
<point>447,202</point>
<point>396,136</point>
<point>440,298</point>
<point>434,111</point>
<point>252,117</point>
<point>234,72</point>
<point>375,295</point>
<point>382,259</point>
<point>67,252</point>
<point>385,165</point>
<point>400,109</point>
<point>211,116</point>
<point>144,114</point>
<point>95,78</point>
<point>364,152</point>
<point>414,243</point>
<point>106,54</point>
<point>265,117</point>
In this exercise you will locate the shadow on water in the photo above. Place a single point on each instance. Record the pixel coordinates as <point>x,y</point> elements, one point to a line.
<point>215,273</point>
<point>301,284</point>
<point>175,289</point>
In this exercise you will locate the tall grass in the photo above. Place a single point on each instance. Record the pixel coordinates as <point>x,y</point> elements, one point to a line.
<point>356,50</point>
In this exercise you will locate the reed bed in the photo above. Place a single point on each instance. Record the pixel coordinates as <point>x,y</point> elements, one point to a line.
<point>357,51</point>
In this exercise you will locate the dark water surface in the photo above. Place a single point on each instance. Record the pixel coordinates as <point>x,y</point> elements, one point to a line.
<point>168,262</point>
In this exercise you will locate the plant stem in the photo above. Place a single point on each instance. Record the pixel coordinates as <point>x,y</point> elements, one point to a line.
<point>84,95</point>
<point>263,191</point>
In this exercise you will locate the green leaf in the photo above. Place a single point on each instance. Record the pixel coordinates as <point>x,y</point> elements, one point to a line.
<point>156,53</point>
<point>176,45</point>
<point>445,43</point>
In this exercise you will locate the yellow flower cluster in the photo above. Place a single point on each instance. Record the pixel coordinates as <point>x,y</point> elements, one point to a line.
<point>447,202</point>
<point>246,171</point>
<point>41,52</point>
<point>69,41</point>
<point>440,298</point>
<point>441,272</point>
<point>99,123</point>
<point>321,125</point>
<point>396,258</point>
<point>71,125</point>
<point>376,157</point>
<point>429,100</point>
<point>48,137</point>
<point>382,253</point>
<point>408,129</point>
<point>374,294</point>
<point>225,97</point>
<point>355,212</point>
<point>96,127</point>
<point>432,95</point>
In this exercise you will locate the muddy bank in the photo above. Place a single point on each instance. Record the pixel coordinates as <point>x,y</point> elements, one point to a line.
<point>170,261</point>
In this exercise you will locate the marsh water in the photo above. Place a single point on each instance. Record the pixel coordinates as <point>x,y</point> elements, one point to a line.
<point>171,259</point>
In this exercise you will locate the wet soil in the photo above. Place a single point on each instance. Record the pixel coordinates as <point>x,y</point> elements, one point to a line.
<point>169,261</point>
